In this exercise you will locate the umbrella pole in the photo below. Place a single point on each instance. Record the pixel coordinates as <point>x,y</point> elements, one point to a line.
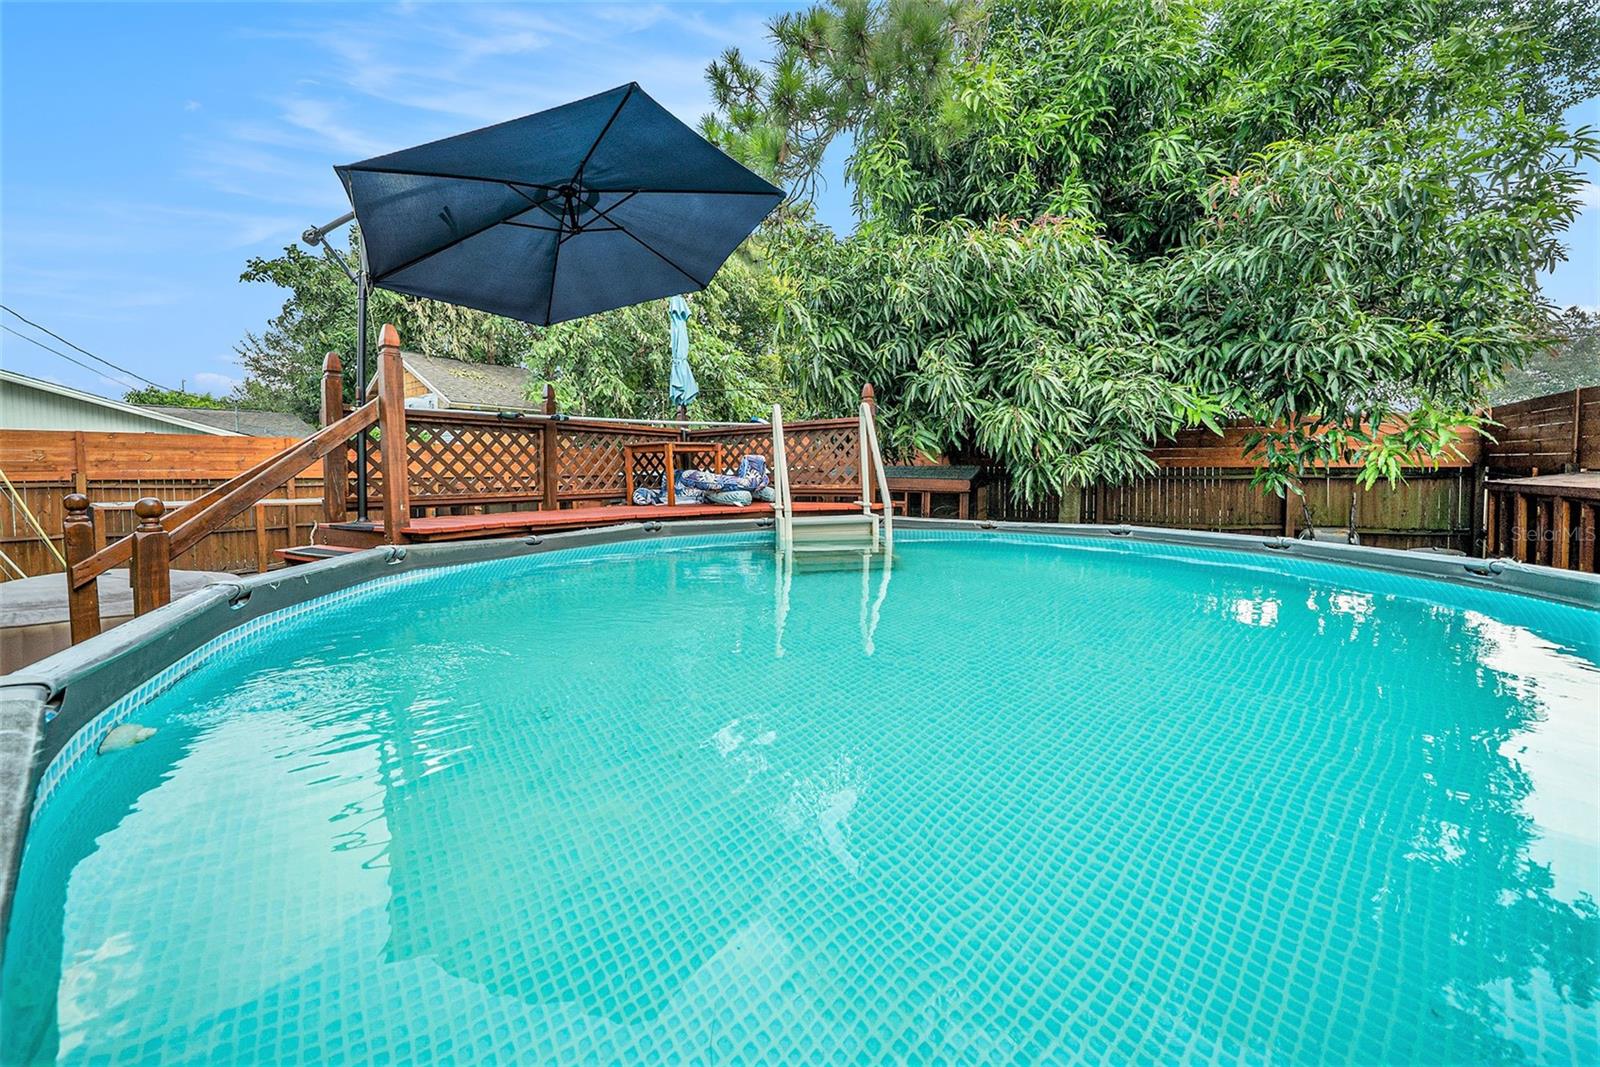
<point>318,235</point>
<point>361,393</point>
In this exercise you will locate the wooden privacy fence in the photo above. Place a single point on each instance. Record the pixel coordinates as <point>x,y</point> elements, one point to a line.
<point>116,469</point>
<point>1204,482</point>
<point>1552,434</point>
<point>1431,509</point>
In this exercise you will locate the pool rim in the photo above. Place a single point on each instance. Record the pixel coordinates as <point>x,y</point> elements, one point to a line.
<point>43,706</point>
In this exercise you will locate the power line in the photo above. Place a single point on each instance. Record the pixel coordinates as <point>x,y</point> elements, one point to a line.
<point>80,348</point>
<point>63,355</point>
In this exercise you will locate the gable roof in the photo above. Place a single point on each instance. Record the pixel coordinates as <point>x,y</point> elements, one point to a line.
<point>247,421</point>
<point>480,386</point>
<point>135,417</point>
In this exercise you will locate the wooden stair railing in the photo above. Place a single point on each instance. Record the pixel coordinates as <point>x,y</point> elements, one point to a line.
<point>162,536</point>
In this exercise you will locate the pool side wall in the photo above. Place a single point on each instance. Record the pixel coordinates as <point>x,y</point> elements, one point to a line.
<point>45,705</point>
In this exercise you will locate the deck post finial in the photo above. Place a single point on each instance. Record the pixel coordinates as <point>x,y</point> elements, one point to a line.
<point>868,397</point>
<point>388,337</point>
<point>149,510</point>
<point>151,569</point>
<point>78,544</point>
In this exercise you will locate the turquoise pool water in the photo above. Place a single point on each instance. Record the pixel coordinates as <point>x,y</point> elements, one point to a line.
<point>1023,802</point>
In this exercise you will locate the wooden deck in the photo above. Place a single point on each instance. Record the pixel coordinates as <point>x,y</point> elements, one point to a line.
<point>515,523</point>
<point>1579,485</point>
<point>1548,518</point>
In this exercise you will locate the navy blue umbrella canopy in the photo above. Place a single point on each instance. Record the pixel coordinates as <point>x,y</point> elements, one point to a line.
<point>589,206</point>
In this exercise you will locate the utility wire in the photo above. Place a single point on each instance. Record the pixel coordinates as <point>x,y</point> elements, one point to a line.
<point>80,348</point>
<point>63,355</point>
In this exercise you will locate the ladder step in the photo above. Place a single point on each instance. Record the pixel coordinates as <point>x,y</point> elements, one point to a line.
<point>834,520</point>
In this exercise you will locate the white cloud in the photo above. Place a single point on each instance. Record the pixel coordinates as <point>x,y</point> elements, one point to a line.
<point>388,77</point>
<point>212,382</point>
<point>191,105</point>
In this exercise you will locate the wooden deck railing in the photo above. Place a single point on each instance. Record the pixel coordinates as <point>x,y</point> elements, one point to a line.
<point>453,460</point>
<point>457,461</point>
<point>161,536</point>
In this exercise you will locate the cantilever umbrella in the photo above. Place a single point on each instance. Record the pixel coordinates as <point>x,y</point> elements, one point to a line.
<point>592,205</point>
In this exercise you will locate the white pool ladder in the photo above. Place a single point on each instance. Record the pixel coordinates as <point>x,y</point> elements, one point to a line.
<point>871,531</point>
<point>835,538</point>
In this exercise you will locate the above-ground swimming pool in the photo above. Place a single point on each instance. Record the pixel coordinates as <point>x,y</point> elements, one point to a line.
<point>1018,799</point>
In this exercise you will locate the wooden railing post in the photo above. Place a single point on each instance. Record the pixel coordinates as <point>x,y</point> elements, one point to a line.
<point>83,604</point>
<point>151,570</point>
<point>548,470</point>
<point>392,428</point>
<point>336,464</point>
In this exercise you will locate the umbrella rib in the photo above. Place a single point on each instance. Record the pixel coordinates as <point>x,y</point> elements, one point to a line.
<point>653,251</point>
<point>577,179</point>
<point>392,271</point>
<point>408,264</point>
<point>411,172</point>
<point>697,192</point>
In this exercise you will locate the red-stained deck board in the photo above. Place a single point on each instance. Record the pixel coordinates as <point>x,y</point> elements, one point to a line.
<point>505,523</point>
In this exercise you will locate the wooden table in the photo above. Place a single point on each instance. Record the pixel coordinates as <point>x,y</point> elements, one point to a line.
<point>669,451</point>
<point>906,482</point>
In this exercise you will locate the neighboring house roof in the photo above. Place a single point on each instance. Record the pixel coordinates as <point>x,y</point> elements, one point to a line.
<point>477,386</point>
<point>34,404</point>
<point>249,422</point>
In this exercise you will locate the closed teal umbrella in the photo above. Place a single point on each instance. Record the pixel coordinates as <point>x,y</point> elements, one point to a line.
<point>684,387</point>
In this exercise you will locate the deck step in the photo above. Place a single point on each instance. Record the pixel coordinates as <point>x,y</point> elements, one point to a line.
<point>348,535</point>
<point>848,519</point>
<point>312,553</point>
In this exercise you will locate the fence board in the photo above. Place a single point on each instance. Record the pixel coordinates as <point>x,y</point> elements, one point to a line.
<point>1547,433</point>
<point>45,466</point>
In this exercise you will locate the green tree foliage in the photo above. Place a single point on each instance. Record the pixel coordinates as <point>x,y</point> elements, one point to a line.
<point>618,363</point>
<point>1574,362</point>
<point>1322,214</point>
<point>1007,335</point>
<point>283,363</point>
<point>173,398</point>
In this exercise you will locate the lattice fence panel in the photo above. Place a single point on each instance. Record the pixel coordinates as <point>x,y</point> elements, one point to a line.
<point>374,467</point>
<point>737,444</point>
<point>456,460</point>
<point>824,458</point>
<point>648,468</point>
<point>589,461</point>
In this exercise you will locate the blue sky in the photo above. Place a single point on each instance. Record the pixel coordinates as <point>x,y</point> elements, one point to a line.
<point>147,151</point>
